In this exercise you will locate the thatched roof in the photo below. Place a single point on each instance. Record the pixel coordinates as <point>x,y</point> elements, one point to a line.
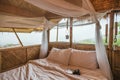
<point>24,9</point>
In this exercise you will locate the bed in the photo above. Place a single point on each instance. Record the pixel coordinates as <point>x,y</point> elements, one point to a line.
<point>54,67</point>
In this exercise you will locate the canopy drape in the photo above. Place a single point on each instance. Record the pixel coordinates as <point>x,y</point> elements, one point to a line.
<point>8,21</point>
<point>66,9</point>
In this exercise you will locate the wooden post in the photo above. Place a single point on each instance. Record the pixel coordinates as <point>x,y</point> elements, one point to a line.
<point>17,37</point>
<point>71,25</point>
<point>48,37</point>
<point>48,33</point>
<point>0,62</point>
<point>106,33</point>
<point>57,35</point>
<point>110,45</point>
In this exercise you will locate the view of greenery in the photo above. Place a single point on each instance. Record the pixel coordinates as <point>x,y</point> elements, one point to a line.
<point>91,41</point>
<point>87,41</point>
<point>118,36</point>
<point>9,45</point>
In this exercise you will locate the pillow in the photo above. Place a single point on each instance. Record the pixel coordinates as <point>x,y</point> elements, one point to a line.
<point>81,58</point>
<point>59,55</point>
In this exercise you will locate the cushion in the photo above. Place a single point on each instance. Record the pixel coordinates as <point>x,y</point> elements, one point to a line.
<point>59,55</point>
<point>82,58</point>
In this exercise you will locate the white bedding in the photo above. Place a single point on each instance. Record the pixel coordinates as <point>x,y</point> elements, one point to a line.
<point>42,69</point>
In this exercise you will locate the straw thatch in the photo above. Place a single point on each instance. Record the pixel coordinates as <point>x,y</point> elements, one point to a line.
<point>13,58</point>
<point>33,52</point>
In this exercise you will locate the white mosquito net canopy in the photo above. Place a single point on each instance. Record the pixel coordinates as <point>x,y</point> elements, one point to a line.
<point>11,21</point>
<point>66,9</point>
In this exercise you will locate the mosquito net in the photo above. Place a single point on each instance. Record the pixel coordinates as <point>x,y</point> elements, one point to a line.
<point>66,9</point>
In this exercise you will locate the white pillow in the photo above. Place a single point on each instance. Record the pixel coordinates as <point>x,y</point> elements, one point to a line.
<point>60,55</point>
<point>82,58</point>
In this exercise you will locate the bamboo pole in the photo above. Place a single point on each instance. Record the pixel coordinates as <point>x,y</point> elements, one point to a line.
<point>111,30</point>
<point>0,62</point>
<point>115,32</point>
<point>116,28</point>
<point>106,33</point>
<point>71,25</point>
<point>17,37</point>
<point>48,37</point>
<point>57,35</point>
<point>48,33</point>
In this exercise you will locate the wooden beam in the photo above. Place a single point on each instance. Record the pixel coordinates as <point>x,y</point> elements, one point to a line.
<point>17,11</point>
<point>17,37</point>
<point>110,45</point>
<point>57,34</point>
<point>48,33</point>
<point>106,33</point>
<point>111,30</point>
<point>48,37</point>
<point>71,25</point>
<point>0,62</point>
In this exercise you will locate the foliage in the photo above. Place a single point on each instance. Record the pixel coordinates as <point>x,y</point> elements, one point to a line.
<point>118,24</point>
<point>87,41</point>
<point>104,41</point>
<point>118,36</point>
<point>8,45</point>
<point>118,42</point>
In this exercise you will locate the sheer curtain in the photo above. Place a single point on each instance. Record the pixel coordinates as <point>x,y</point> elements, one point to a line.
<point>66,9</point>
<point>101,54</point>
<point>44,45</point>
<point>100,48</point>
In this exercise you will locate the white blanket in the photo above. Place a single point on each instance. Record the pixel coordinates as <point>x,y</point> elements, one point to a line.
<point>42,69</point>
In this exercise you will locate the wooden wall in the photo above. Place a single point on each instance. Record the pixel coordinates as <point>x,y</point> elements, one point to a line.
<point>105,5</point>
<point>63,45</point>
<point>0,62</point>
<point>116,63</point>
<point>14,57</point>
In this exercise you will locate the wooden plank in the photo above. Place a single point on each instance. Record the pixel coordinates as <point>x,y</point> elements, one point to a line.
<point>64,45</point>
<point>0,62</point>
<point>48,33</point>
<point>23,30</point>
<point>116,64</point>
<point>57,34</point>
<point>18,37</point>
<point>71,25</point>
<point>106,5</point>
<point>117,59</point>
<point>110,45</point>
<point>106,33</point>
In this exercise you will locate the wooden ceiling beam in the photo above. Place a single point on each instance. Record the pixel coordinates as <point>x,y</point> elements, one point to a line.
<point>17,11</point>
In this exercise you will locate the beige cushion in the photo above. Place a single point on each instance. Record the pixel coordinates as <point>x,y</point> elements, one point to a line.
<point>60,55</point>
<point>86,59</point>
